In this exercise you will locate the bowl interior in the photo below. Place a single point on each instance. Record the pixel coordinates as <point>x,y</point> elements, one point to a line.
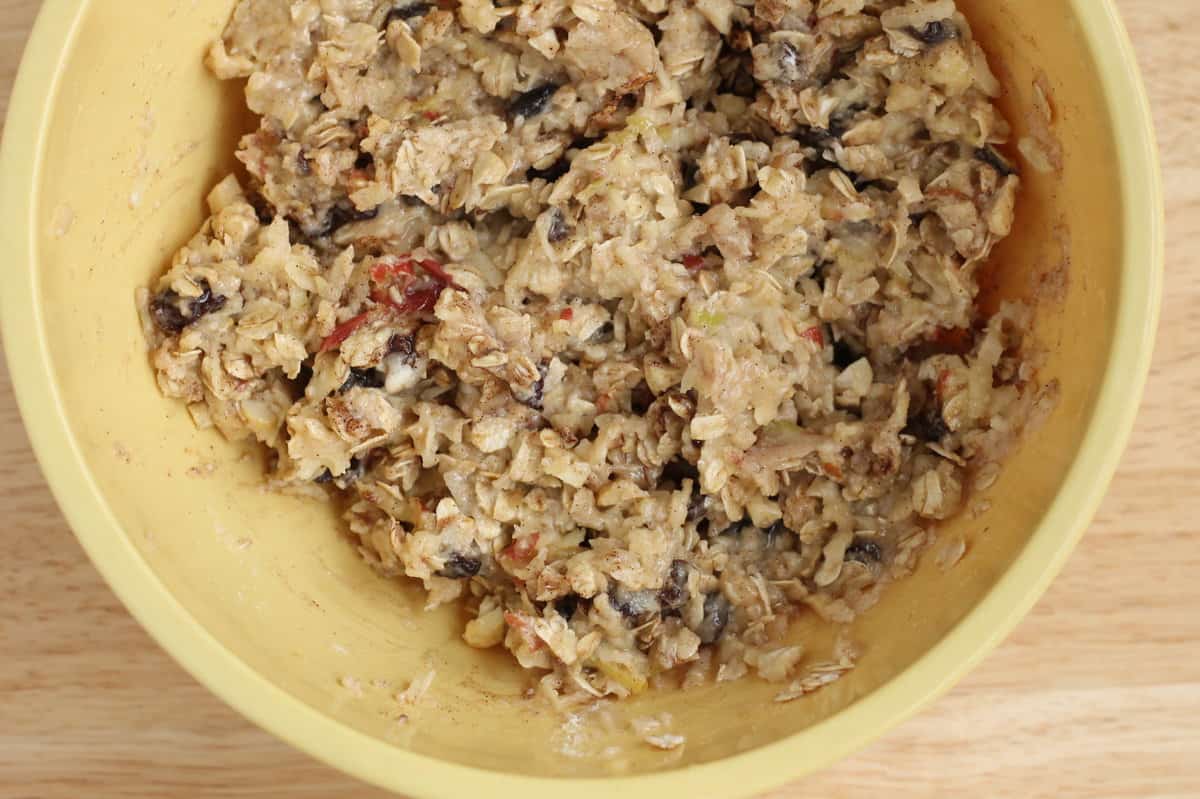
<point>137,133</point>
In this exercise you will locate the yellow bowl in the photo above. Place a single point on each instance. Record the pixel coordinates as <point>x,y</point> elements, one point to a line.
<point>114,136</point>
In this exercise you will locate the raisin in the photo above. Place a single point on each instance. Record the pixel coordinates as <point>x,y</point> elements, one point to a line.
<point>996,161</point>
<point>567,605</point>
<point>364,161</point>
<point>550,173</point>
<point>641,398</point>
<point>602,334</point>
<point>459,566</point>
<point>537,393</point>
<point>404,345</point>
<point>742,84</point>
<point>773,532</point>
<point>296,234</point>
<point>678,470</point>
<point>357,468</point>
<point>716,617</point>
<point>674,593</point>
<point>303,378</point>
<point>533,102</point>
<point>844,353</point>
<point>864,551</point>
<point>364,378</point>
<point>164,308</point>
<point>558,228</point>
<point>860,183</point>
<point>171,318</point>
<point>928,425</point>
<point>810,136</point>
<point>935,33</point>
<point>207,302</point>
<point>633,605</point>
<point>734,529</point>
<point>262,209</point>
<point>840,122</point>
<point>406,12</point>
<point>842,60</point>
<point>341,215</point>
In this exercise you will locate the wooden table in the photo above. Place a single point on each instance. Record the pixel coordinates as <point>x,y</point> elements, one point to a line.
<point>1097,694</point>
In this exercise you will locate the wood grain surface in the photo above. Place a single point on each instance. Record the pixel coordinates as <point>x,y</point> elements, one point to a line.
<point>1097,694</point>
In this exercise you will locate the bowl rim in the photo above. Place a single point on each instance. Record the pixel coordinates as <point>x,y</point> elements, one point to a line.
<point>746,773</point>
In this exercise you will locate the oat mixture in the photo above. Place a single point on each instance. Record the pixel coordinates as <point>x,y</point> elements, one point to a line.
<point>640,327</point>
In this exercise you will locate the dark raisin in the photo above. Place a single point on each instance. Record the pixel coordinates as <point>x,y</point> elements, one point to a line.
<point>820,273</point>
<point>864,551</point>
<point>641,398</point>
<point>364,378</point>
<point>927,425</point>
<point>262,209</point>
<point>558,228</point>
<point>742,84</point>
<point>840,122</point>
<point>633,605</point>
<point>533,102</point>
<point>996,161</point>
<point>674,593</point>
<point>403,344</point>
<point>935,32</point>
<point>602,334</point>
<point>773,532</point>
<point>341,215</point>
<point>860,183</point>
<point>689,171</point>
<point>459,566</point>
<point>716,617</point>
<point>844,353</point>
<point>550,173</point>
<point>303,378</point>
<point>809,136</point>
<point>164,309</point>
<point>678,470</point>
<point>171,317</point>
<point>537,393</point>
<point>406,12</point>
<point>364,161</point>
<point>567,605</point>
<point>296,234</point>
<point>355,472</point>
<point>735,529</point>
<point>842,60</point>
<point>358,468</point>
<point>207,302</point>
